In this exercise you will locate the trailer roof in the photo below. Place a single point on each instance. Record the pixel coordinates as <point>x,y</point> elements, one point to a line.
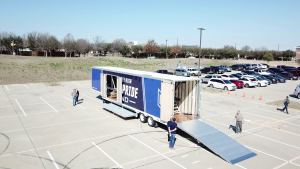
<point>148,74</point>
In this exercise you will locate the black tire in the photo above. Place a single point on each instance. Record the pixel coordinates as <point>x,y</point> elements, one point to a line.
<point>225,88</point>
<point>151,122</point>
<point>298,96</point>
<point>143,118</point>
<point>259,85</point>
<point>247,85</point>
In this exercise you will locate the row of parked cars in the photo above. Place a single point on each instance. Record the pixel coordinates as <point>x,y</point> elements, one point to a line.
<point>252,78</point>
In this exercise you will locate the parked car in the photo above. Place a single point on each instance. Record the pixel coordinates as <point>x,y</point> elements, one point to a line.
<point>259,66</point>
<point>194,72</point>
<point>237,75</point>
<point>267,66</point>
<point>181,72</point>
<point>239,84</point>
<point>249,66</point>
<point>297,91</point>
<point>242,73</point>
<point>251,72</point>
<point>229,77</point>
<point>217,69</point>
<point>208,77</point>
<point>226,68</point>
<point>288,76</point>
<point>278,78</point>
<point>260,81</point>
<point>221,84</point>
<point>255,66</point>
<point>238,67</point>
<point>262,71</point>
<point>207,70</point>
<point>262,66</point>
<point>281,66</point>
<point>249,82</point>
<point>289,69</point>
<point>276,70</point>
<point>164,72</point>
<point>295,72</point>
<point>269,81</point>
<point>272,72</point>
<point>273,79</point>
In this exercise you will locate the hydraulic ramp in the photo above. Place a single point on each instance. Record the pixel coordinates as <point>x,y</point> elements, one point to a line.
<point>118,110</point>
<point>217,141</point>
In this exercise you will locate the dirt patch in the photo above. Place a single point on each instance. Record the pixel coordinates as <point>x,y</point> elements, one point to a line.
<point>279,104</point>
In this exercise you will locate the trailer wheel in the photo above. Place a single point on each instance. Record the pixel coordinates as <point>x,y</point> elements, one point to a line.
<point>143,119</point>
<point>151,122</point>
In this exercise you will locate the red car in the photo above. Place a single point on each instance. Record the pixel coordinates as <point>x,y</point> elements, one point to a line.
<point>239,84</point>
<point>295,72</point>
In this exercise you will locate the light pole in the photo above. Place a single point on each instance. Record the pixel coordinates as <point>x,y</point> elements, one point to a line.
<point>166,49</point>
<point>200,51</point>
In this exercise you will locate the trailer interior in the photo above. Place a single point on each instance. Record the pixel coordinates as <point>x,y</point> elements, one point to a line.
<point>111,87</point>
<point>185,101</point>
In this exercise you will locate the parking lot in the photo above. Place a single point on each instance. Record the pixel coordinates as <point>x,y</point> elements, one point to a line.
<point>40,128</point>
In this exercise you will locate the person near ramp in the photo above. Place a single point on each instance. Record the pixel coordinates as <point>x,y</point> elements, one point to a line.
<point>74,95</point>
<point>172,127</point>
<point>286,103</point>
<point>239,122</point>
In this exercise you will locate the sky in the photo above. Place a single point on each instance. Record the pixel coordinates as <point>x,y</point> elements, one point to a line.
<point>256,23</point>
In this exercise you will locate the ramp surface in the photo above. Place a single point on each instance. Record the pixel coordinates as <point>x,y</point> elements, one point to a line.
<point>118,110</point>
<point>217,141</point>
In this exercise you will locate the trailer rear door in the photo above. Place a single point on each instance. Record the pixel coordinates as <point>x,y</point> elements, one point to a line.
<point>167,100</point>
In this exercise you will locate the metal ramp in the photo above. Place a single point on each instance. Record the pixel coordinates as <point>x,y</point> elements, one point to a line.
<point>217,141</point>
<point>118,110</point>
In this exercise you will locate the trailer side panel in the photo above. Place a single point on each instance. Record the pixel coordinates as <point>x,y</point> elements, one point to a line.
<point>96,80</point>
<point>152,99</point>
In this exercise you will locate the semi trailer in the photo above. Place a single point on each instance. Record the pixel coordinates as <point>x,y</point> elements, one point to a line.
<point>155,98</point>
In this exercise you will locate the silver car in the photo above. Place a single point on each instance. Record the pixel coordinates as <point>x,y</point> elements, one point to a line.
<point>208,77</point>
<point>182,72</point>
<point>226,68</point>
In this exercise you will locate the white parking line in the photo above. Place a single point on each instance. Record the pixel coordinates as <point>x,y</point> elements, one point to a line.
<point>7,88</point>
<point>56,166</point>
<point>72,101</point>
<point>21,108</point>
<point>107,155</point>
<point>49,105</point>
<point>195,162</point>
<point>184,156</point>
<point>156,151</point>
<point>291,161</point>
<point>26,87</point>
<point>76,83</point>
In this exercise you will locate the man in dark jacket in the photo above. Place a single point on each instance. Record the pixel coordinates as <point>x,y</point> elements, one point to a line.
<point>77,91</point>
<point>286,102</point>
<point>172,127</point>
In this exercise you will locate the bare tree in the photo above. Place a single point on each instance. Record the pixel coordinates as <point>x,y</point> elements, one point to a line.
<point>246,48</point>
<point>42,42</point>
<point>53,44</point>
<point>69,44</point>
<point>261,49</point>
<point>82,46</point>
<point>117,45</point>
<point>99,44</point>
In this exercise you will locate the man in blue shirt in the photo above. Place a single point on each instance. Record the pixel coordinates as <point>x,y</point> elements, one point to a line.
<point>172,127</point>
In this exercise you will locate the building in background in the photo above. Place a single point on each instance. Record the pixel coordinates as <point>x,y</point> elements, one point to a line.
<point>297,52</point>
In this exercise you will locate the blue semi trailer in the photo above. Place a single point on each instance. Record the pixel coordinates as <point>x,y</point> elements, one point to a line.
<point>154,98</point>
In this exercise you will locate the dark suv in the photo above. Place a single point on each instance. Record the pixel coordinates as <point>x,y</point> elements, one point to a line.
<point>239,67</point>
<point>207,70</point>
<point>217,69</point>
<point>276,70</point>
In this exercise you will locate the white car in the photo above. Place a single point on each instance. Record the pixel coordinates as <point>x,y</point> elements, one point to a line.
<point>262,71</point>
<point>208,77</point>
<point>249,81</point>
<point>221,84</point>
<point>262,66</point>
<point>229,77</point>
<point>261,82</point>
<point>297,91</point>
<point>193,71</point>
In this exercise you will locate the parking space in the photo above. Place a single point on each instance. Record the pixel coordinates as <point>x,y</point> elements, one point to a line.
<point>40,121</point>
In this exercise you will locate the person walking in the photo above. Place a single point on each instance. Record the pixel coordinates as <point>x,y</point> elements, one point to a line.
<point>172,127</point>
<point>286,102</point>
<point>239,122</point>
<point>77,91</point>
<point>74,95</point>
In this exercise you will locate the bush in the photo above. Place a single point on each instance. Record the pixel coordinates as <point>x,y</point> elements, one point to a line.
<point>268,57</point>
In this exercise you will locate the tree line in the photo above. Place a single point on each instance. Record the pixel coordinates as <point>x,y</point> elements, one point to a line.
<point>37,41</point>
